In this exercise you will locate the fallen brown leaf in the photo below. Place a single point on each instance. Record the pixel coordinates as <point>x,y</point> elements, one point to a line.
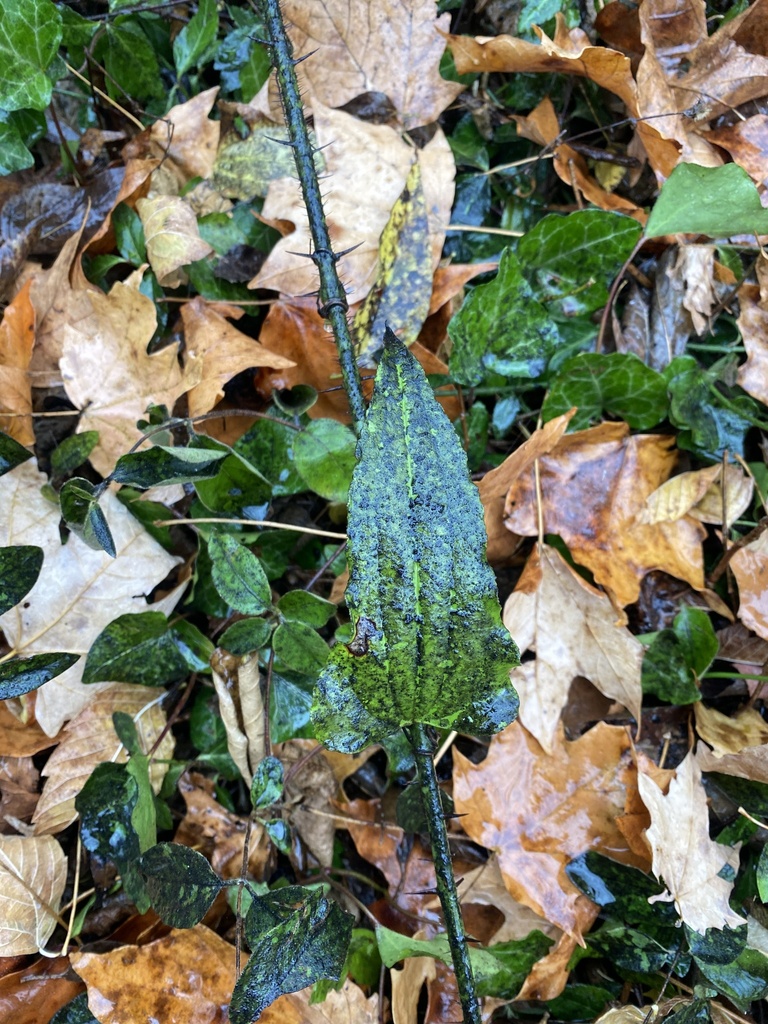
<point>172,237</point>
<point>18,792</point>
<point>700,494</point>
<point>750,568</point>
<point>186,139</point>
<point>753,324</point>
<point>33,873</point>
<point>347,1006</point>
<point>33,993</point>
<point>739,744</point>
<point>17,338</point>
<point>20,738</point>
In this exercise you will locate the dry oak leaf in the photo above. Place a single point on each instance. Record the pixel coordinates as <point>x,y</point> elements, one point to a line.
<point>684,856</point>
<point>366,167</point>
<point>538,811</point>
<point>79,590</point>
<point>700,494</point>
<point>750,567</point>
<point>739,744</point>
<point>572,627</point>
<point>348,1005</point>
<point>90,739</point>
<point>357,40</point>
<point>186,976</point>
<point>407,983</point>
<point>33,873</point>
<point>593,487</point>
<point>17,338</point>
<point>221,350</point>
<point>753,324</point>
<point>172,237</point>
<point>109,375</point>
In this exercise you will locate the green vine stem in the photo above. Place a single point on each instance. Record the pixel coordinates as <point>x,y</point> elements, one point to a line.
<point>446,883</point>
<point>332,300</point>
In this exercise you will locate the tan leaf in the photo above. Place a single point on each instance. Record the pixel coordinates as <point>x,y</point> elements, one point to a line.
<point>700,494</point>
<point>186,976</point>
<point>684,856</point>
<point>549,975</point>
<point>186,139</point>
<point>358,40</point>
<point>172,237</point>
<point>18,792</point>
<point>20,738</point>
<point>696,265</point>
<point>79,590</point>
<point>366,167</point>
<point>747,143</point>
<point>750,567</point>
<point>308,797</point>
<point>347,1006</point>
<point>539,810</point>
<point>17,338</point>
<point>108,374</point>
<point>90,739</point>
<point>237,682</point>
<point>573,629</point>
<point>485,885</point>
<point>753,324</point>
<point>221,350</point>
<point>635,820</point>
<point>407,983</point>
<point>593,487</point>
<point>33,873</point>
<point>739,744</point>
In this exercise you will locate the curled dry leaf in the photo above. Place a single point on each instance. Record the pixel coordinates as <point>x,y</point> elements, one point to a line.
<point>688,861</point>
<point>699,494</point>
<point>753,324</point>
<point>90,739</point>
<point>186,976</point>
<point>573,629</point>
<point>750,567</point>
<point>17,337</point>
<point>186,139</point>
<point>172,237</point>
<point>79,590</point>
<point>308,797</point>
<point>33,873</point>
<point>237,682</point>
<point>739,744</point>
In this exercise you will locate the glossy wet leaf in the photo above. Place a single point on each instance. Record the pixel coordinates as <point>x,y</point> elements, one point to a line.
<point>82,513</point>
<point>622,891</point>
<point>20,566</point>
<point>267,784</point>
<point>180,883</point>
<point>616,383</point>
<point>717,945</point>
<point>246,636</point>
<point>20,675</point>
<point>502,328</point>
<point>130,60</point>
<point>298,648</point>
<point>268,446</point>
<point>76,1011</point>
<point>714,201</point>
<point>74,451</point>
<point>517,957</point>
<point>296,938</point>
<point>325,457</point>
<point>280,834</point>
<point>633,949</point>
<point>141,648</point>
<point>678,657</point>
<point>161,465</point>
<point>394,947</point>
<point>301,606</point>
<point>30,33</point>
<point>575,258</point>
<point>238,575</point>
<point>429,644</point>
<point>238,489</point>
<point>12,454</point>
<point>743,981</point>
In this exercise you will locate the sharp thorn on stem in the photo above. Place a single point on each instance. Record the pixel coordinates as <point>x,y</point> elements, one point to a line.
<point>298,60</point>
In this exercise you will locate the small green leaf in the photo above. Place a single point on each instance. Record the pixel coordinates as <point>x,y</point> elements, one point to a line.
<point>129,234</point>
<point>143,817</point>
<point>238,490</point>
<point>246,636</point>
<point>74,451</point>
<point>299,649</point>
<point>280,834</point>
<point>82,514</point>
<point>197,37</point>
<point>269,447</point>
<point>136,648</point>
<point>677,658</point>
<point>267,784</point>
<point>74,1012</point>
<point>395,947</point>
<point>301,606</point>
<point>161,465</point>
<point>501,328</point>
<point>126,730</point>
<point>12,454</point>
<point>130,60</point>
<point>19,568</point>
<point>717,945</point>
<point>30,33</point>
<point>517,957</point>
<point>14,152</point>
<point>712,417</point>
<point>296,400</point>
<point>238,576</point>
<point>762,874</point>
<point>742,981</point>
<point>714,201</point>
<point>180,882</point>
<point>325,457</point>
<point>20,675</point>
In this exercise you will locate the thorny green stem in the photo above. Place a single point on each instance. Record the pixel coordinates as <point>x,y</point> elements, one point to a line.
<point>332,300</point>
<point>446,883</point>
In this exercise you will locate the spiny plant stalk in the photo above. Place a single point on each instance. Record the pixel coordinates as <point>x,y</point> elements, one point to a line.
<point>332,300</point>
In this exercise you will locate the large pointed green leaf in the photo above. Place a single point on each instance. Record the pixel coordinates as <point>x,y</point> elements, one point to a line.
<point>429,645</point>
<point>19,568</point>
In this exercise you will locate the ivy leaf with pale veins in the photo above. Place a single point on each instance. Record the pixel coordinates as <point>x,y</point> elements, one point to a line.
<point>429,644</point>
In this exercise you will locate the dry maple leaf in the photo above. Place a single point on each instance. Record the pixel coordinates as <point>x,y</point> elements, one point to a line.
<point>739,744</point>
<point>186,976</point>
<point>90,739</point>
<point>593,488</point>
<point>17,337</point>
<point>79,590</point>
<point>357,40</point>
<point>186,139</point>
<point>366,167</point>
<point>33,873</point>
<point>573,629</point>
<point>540,810</point>
<point>109,375</point>
<point>684,856</point>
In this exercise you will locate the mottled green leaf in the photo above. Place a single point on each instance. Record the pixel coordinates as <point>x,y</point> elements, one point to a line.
<point>501,328</point>
<point>180,883</point>
<point>289,708</point>
<point>20,675</point>
<point>238,489</point>
<point>126,730</point>
<point>74,451</point>
<point>246,636</point>
<point>268,446</point>
<point>714,201</point>
<point>19,568</point>
<point>280,834</point>
<point>743,981</point>
<point>678,657</point>
<point>130,60</point>
<point>138,648</point>
<point>161,465</point>
<point>717,945</point>
<point>74,1012</point>
<point>517,957</point>
<point>298,648</point>
<point>325,457</point>
<point>267,783</point>
<point>616,383</point>
<point>30,33</point>
<point>429,645</point>
<point>12,454</point>
<point>302,606</point>
<point>81,512</point>
<point>143,817</point>
<point>238,576</point>
<point>197,37</point>
<point>580,1002</point>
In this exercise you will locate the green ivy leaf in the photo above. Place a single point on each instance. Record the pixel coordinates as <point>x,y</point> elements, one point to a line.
<point>429,645</point>
<point>81,512</point>
<point>130,60</point>
<point>20,675</point>
<point>617,383</point>
<point>714,201</point>
<point>197,37</point>
<point>19,568</point>
<point>12,454</point>
<point>129,234</point>
<point>238,575</point>
<point>143,648</point>
<point>161,465</point>
<point>180,883</point>
<point>501,328</point>
<point>14,152</point>
<point>73,451</point>
<point>325,457</point>
<point>677,658</point>
<point>30,33</point>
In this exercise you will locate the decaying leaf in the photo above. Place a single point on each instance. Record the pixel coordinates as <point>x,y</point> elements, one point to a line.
<point>688,861</point>
<point>186,139</point>
<point>750,567</point>
<point>701,495</point>
<point>17,337</point>
<point>172,237</point>
<point>33,873</point>
<point>739,744</point>
<point>753,324</point>
<point>347,1006</point>
<point>238,685</point>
